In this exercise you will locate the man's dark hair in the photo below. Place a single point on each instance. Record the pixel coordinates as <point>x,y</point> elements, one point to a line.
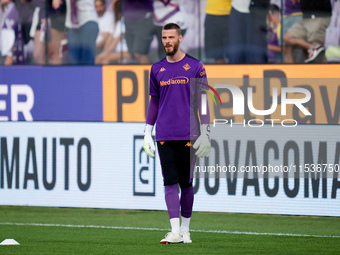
<point>172,26</point>
<point>273,8</point>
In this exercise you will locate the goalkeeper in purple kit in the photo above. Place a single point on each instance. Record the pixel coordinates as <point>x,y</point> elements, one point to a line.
<point>182,131</point>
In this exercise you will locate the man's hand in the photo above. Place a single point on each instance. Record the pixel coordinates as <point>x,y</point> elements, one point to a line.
<point>203,144</point>
<point>149,145</point>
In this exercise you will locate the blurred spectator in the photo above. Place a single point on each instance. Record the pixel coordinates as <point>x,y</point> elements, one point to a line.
<point>216,30</point>
<point>170,11</point>
<point>332,40</point>
<point>29,21</point>
<point>115,49</point>
<point>248,32</point>
<point>316,16</point>
<point>291,14</point>
<point>7,35</point>
<point>274,32</point>
<point>37,30</point>
<point>81,20</point>
<point>193,41</point>
<point>139,28</point>
<point>24,20</point>
<point>58,33</point>
<point>105,23</point>
<point>50,27</point>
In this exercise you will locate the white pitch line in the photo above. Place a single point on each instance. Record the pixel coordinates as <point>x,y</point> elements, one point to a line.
<point>163,229</point>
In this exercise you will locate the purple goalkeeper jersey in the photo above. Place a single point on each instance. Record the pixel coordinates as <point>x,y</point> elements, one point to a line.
<point>177,85</point>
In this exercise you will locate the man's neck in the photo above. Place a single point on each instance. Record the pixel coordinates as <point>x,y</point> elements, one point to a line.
<point>177,57</point>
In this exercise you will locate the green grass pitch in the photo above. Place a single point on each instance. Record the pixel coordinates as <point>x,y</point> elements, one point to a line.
<point>43,230</point>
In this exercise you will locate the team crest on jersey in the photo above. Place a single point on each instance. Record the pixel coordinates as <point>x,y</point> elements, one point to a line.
<point>186,67</point>
<point>162,69</point>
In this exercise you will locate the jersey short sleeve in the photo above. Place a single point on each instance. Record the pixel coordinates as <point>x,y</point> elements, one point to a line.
<point>201,79</point>
<point>154,89</point>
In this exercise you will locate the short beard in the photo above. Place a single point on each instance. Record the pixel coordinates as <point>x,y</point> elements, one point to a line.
<point>173,52</point>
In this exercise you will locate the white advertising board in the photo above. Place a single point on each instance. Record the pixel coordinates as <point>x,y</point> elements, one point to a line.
<point>103,165</point>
